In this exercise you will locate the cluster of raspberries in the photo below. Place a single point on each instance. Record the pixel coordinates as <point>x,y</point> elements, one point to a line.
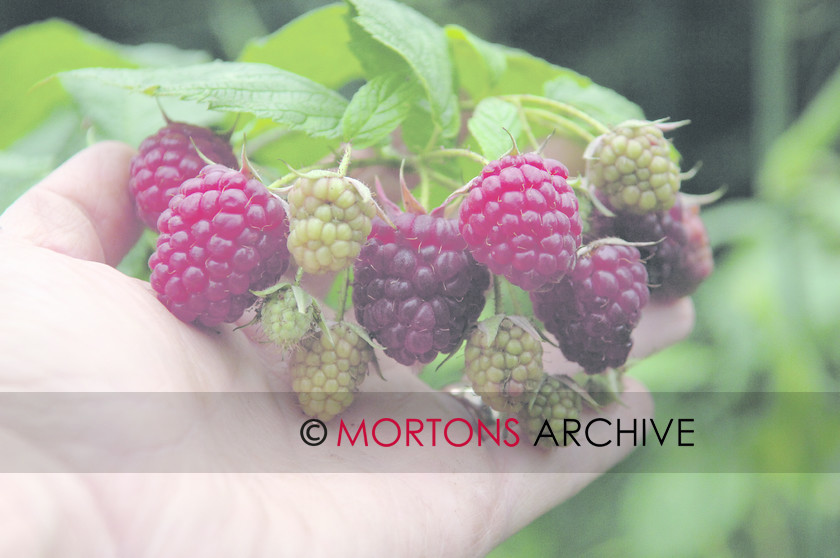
<point>419,280</point>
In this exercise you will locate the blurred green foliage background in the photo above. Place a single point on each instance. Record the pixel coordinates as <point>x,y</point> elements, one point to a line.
<point>760,374</point>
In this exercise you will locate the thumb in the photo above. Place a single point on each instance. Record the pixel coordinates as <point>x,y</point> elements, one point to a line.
<point>82,209</point>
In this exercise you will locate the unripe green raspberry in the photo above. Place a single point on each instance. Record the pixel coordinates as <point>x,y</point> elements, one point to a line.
<point>325,374</point>
<point>553,402</point>
<point>632,165</point>
<point>506,370</point>
<point>330,219</point>
<point>283,322</point>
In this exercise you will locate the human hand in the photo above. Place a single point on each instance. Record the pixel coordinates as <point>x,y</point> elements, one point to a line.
<point>73,323</point>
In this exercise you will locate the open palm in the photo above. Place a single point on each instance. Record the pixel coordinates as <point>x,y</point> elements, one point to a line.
<point>130,433</point>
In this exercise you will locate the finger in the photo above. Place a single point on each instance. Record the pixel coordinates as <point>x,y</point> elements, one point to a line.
<point>567,470</point>
<point>662,325</point>
<point>82,209</point>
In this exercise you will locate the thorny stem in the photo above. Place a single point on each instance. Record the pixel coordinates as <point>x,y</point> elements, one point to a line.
<point>345,160</point>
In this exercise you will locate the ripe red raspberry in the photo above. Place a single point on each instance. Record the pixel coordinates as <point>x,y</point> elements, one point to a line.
<point>222,235</point>
<point>592,312</point>
<point>521,220</point>
<point>166,159</point>
<point>416,288</point>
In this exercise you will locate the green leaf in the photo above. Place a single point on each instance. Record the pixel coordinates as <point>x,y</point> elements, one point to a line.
<point>260,89</point>
<point>604,104</point>
<point>122,115</point>
<point>161,55</point>
<point>136,261</point>
<point>525,73</point>
<point>445,370</point>
<point>282,150</point>
<point>31,54</point>
<point>488,123</point>
<point>315,46</point>
<point>378,108</point>
<point>35,155</point>
<point>478,64</point>
<point>423,46</point>
<point>418,129</point>
<point>18,172</point>
<point>657,516</point>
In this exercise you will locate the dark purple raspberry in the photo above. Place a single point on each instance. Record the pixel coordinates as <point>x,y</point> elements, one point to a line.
<point>679,261</point>
<point>222,235</point>
<point>695,261</point>
<point>416,288</point>
<point>521,220</point>
<point>592,312</point>
<point>166,159</point>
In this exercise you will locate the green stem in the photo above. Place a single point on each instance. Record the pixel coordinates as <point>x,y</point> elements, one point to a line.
<point>381,160</point>
<point>425,186</point>
<point>298,276</point>
<point>526,126</point>
<point>294,175</point>
<point>344,163</point>
<point>255,143</point>
<point>342,295</point>
<point>560,121</point>
<point>453,152</point>
<point>433,139</point>
<point>443,179</point>
<point>599,126</point>
<point>497,295</point>
<point>517,308</point>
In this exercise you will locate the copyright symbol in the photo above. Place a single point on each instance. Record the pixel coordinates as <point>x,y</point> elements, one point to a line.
<point>313,432</point>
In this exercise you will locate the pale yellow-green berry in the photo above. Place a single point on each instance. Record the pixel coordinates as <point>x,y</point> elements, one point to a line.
<point>554,402</point>
<point>283,323</point>
<point>633,166</point>
<point>329,222</point>
<point>325,374</point>
<point>508,371</point>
